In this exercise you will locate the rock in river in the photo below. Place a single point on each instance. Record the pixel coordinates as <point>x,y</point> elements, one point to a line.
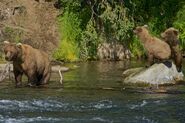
<point>156,74</point>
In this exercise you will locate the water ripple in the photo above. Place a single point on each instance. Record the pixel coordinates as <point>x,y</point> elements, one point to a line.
<point>139,105</point>
<point>52,105</point>
<point>52,120</point>
<point>104,104</point>
<point>28,120</point>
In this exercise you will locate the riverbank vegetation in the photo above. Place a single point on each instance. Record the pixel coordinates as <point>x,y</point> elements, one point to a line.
<point>83,24</point>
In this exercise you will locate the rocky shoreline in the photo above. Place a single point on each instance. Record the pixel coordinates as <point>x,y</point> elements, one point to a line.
<point>7,69</point>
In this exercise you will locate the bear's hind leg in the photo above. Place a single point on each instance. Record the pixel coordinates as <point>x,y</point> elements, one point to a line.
<point>46,75</point>
<point>39,78</point>
<point>178,61</point>
<point>45,78</point>
<point>32,78</point>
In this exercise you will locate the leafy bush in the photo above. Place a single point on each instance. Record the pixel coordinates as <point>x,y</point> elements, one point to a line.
<point>85,24</point>
<point>180,25</point>
<point>67,51</point>
<point>89,42</point>
<point>137,48</point>
<point>118,25</point>
<point>69,28</point>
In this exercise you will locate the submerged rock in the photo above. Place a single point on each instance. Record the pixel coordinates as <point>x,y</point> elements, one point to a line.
<point>156,74</point>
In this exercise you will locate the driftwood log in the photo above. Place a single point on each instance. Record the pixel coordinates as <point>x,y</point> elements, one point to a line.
<point>60,70</point>
<point>6,69</point>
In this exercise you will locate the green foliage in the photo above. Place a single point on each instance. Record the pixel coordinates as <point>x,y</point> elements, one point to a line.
<point>83,25</point>
<point>118,26</point>
<point>67,51</point>
<point>152,24</point>
<point>180,25</point>
<point>89,42</point>
<point>137,48</point>
<point>69,27</point>
<point>111,25</point>
<point>88,24</point>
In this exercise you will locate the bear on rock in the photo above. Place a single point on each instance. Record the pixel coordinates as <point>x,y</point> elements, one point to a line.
<point>156,48</point>
<point>34,63</point>
<point>170,35</point>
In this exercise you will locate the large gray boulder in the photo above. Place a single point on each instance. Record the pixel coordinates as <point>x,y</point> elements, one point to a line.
<point>157,74</point>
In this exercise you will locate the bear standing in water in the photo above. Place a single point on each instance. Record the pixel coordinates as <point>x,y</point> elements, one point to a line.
<point>27,60</point>
<point>170,35</point>
<point>155,47</point>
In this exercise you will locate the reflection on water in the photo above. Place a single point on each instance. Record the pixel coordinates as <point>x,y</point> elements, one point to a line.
<point>92,93</point>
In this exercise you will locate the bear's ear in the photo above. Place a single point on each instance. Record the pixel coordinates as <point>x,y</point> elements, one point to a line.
<point>145,26</point>
<point>6,42</point>
<point>176,32</point>
<point>19,45</point>
<point>139,29</point>
<point>163,35</point>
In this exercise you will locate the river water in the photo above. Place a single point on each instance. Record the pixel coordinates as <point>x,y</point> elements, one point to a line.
<point>92,93</point>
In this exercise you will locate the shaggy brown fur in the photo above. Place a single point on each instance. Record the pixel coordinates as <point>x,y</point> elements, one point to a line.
<point>27,60</point>
<point>155,47</point>
<point>170,35</point>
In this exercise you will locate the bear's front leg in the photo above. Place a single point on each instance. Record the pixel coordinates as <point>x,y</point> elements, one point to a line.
<point>18,78</point>
<point>150,59</point>
<point>178,61</point>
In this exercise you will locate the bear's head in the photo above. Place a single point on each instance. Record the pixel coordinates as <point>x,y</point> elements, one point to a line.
<point>170,35</point>
<point>11,50</point>
<point>141,30</point>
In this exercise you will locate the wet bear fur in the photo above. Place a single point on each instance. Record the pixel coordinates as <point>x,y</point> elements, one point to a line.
<point>34,63</point>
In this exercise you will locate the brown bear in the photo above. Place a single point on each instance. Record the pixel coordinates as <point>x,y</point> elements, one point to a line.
<point>170,35</point>
<point>155,47</point>
<point>34,63</point>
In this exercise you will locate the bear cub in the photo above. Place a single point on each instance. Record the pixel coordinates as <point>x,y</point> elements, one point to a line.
<point>156,48</point>
<point>170,36</point>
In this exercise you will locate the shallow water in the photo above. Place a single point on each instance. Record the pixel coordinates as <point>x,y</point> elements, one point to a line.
<point>93,93</point>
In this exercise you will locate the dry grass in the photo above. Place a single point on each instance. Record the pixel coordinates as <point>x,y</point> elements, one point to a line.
<point>30,22</point>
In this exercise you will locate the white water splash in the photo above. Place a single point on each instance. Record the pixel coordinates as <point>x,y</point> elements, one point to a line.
<point>99,119</point>
<point>28,120</point>
<point>139,105</point>
<point>104,104</point>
